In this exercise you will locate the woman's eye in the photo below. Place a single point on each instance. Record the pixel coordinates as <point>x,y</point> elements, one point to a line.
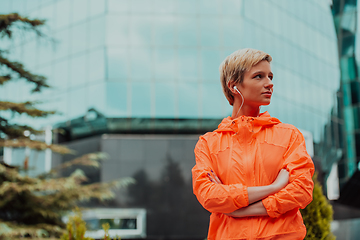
<point>271,77</point>
<point>258,76</point>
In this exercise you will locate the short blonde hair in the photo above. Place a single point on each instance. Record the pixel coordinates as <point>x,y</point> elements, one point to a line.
<point>236,64</point>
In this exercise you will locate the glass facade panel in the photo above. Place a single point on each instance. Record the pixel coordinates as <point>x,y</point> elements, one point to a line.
<point>78,96</point>
<point>96,7</point>
<point>78,71</point>
<point>164,61</point>
<point>117,99</point>
<point>163,30</point>
<point>188,68</point>
<point>63,13</point>
<point>117,30</point>
<point>187,31</point>
<point>165,99</point>
<point>97,32</point>
<point>118,64</point>
<point>189,100</point>
<point>96,65</point>
<point>116,6</point>
<point>80,12</point>
<point>141,100</point>
<point>79,36</point>
<point>141,63</point>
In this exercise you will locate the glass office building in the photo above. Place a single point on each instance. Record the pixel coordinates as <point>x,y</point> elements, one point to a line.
<point>346,23</point>
<point>147,62</point>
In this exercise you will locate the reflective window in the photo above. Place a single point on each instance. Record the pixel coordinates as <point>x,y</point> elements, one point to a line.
<point>117,32</point>
<point>96,65</point>
<point>59,80</point>
<point>47,12</point>
<point>233,31</point>
<point>211,100</point>
<point>79,36</point>
<point>5,6</point>
<point>80,12</point>
<point>164,6</point>
<point>118,63</point>
<point>141,30</point>
<point>187,31</point>
<point>116,6</point>
<point>98,102</point>
<point>210,62</point>
<point>62,44</point>
<point>117,104</point>
<point>187,64</point>
<point>165,99</point>
<point>210,7</point>
<point>164,61</point>
<point>78,74</point>
<point>78,96</point>
<point>210,31</point>
<point>141,99</point>
<point>97,32</point>
<point>63,13</point>
<point>141,6</point>
<point>187,6</point>
<point>96,7</point>
<point>189,101</point>
<point>231,7</point>
<point>164,30</point>
<point>140,63</point>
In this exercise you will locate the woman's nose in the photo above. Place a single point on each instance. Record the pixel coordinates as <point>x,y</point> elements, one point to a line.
<point>269,83</point>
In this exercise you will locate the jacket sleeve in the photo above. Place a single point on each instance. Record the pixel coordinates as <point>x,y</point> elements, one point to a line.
<point>216,198</point>
<point>298,193</point>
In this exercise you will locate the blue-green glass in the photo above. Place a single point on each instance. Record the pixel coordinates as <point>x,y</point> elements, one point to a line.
<point>165,99</point>
<point>188,64</point>
<point>117,99</point>
<point>96,32</point>
<point>164,64</point>
<point>78,71</point>
<point>97,65</point>
<point>141,100</point>
<point>96,7</point>
<point>164,30</point>
<point>187,31</point>
<point>189,99</point>
<point>210,62</point>
<point>80,39</point>
<point>117,33</point>
<point>80,11</point>
<point>141,63</point>
<point>118,64</point>
<point>63,14</point>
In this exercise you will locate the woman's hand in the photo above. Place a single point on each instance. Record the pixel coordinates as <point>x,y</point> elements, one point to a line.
<point>212,176</point>
<point>281,180</point>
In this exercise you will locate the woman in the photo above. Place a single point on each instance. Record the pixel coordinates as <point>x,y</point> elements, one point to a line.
<point>252,173</point>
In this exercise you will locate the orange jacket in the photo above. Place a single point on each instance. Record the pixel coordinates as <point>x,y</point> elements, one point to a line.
<point>250,151</point>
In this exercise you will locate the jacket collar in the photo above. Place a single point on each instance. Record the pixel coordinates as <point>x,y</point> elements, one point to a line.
<point>254,124</point>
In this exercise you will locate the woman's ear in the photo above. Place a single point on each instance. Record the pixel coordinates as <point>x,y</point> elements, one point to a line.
<point>231,86</point>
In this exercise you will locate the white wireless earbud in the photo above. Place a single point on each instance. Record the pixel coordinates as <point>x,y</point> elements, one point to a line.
<point>242,103</point>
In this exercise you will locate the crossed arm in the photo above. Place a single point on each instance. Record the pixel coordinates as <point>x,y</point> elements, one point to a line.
<point>255,194</point>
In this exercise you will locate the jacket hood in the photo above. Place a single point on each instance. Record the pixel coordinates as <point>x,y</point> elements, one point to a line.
<point>254,124</point>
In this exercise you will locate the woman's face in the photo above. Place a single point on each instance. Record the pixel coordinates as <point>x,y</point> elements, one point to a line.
<point>257,86</point>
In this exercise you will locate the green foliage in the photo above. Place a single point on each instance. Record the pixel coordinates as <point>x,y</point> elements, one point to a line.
<point>318,215</point>
<point>76,228</point>
<point>33,207</point>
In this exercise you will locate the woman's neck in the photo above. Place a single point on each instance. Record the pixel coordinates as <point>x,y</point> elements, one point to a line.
<point>246,110</point>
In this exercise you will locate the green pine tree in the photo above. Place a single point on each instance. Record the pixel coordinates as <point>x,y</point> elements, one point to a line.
<point>33,207</point>
<point>318,215</point>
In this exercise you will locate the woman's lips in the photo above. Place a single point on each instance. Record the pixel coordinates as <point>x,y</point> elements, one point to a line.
<point>267,94</point>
